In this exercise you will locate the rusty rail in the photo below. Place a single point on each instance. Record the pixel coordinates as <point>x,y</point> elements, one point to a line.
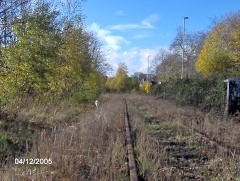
<point>131,159</point>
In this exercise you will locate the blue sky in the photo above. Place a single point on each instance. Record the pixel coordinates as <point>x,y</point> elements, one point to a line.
<point>132,30</point>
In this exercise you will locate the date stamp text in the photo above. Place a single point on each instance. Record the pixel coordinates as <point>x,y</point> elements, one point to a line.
<point>33,161</point>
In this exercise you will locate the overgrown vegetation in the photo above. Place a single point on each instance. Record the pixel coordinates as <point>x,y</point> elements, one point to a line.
<point>90,145</point>
<point>209,60</point>
<point>206,93</point>
<point>121,82</point>
<point>46,58</point>
<point>50,66</point>
<point>221,49</point>
<point>145,87</point>
<point>50,57</point>
<point>168,145</point>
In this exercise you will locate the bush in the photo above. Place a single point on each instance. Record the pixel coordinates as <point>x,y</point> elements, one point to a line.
<point>145,86</point>
<point>204,92</point>
<point>13,139</point>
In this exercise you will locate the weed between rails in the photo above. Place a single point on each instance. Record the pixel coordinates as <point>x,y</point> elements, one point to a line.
<point>167,150</point>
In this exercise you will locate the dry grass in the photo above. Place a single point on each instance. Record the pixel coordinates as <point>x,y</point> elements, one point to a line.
<point>91,148</point>
<point>168,147</point>
<point>90,144</point>
<point>217,128</point>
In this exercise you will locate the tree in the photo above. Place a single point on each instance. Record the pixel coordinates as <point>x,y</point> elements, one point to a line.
<point>9,9</point>
<point>140,76</point>
<point>221,51</point>
<point>30,58</point>
<point>49,58</point>
<point>159,58</point>
<point>121,82</point>
<point>170,68</point>
<point>193,44</point>
<point>169,62</point>
<point>110,85</point>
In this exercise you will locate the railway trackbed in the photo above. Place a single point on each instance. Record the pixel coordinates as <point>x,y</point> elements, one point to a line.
<point>147,140</point>
<point>168,149</point>
<point>225,149</point>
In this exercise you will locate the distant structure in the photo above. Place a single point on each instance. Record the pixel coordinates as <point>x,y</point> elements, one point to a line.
<point>233,96</point>
<point>145,77</point>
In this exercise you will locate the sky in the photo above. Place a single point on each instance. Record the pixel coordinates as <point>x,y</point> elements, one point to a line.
<point>131,31</point>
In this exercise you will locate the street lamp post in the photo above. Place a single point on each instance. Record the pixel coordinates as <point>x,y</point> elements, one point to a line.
<point>183,44</point>
<point>148,69</point>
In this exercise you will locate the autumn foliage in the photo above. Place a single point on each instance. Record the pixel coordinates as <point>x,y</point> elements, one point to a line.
<point>145,87</point>
<point>121,82</point>
<point>50,58</point>
<point>221,50</point>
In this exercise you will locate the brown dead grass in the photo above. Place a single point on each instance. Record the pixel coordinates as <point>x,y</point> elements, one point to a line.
<point>90,148</point>
<point>217,128</point>
<point>90,144</point>
<point>168,147</point>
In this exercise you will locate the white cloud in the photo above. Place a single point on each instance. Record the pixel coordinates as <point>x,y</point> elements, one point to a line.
<point>146,23</point>
<point>125,26</point>
<point>136,58</point>
<point>110,41</point>
<point>120,12</point>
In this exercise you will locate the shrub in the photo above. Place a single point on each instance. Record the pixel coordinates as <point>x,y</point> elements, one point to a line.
<point>204,92</point>
<point>145,87</point>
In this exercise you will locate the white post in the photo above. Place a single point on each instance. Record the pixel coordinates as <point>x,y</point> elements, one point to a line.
<point>96,103</point>
<point>227,97</point>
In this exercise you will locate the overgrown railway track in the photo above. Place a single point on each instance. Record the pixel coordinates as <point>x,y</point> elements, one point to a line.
<point>129,142</point>
<point>225,149</point>
<point>181,147</point>
<point>160,141</point>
